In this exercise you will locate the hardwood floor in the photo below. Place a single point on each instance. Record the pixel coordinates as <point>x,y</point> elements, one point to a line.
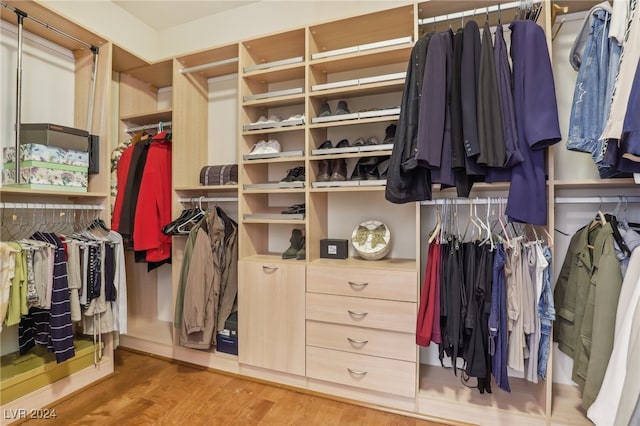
<point>148,391</point>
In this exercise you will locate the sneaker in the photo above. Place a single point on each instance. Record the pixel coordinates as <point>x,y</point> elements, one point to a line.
<point>274,119</point>
<point>358,142</point>
<point>258,148</point>
<point>372,141</point>
<point>342,108</point>
<point>272,147</point>
<point>325,110</point>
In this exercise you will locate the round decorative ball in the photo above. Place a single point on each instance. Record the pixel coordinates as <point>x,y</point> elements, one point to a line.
<point>371,240</point>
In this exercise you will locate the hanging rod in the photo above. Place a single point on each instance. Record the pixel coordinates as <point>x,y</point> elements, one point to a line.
<point>147,127</point>
<point>472,12</point>
<point>209,65</point>
<point>462,201</point>
<point>46,206</point>
<point>208,200</point>
<point>19,12</point>
<point>596,200</point>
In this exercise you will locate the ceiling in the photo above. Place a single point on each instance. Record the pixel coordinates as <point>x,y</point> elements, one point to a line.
<point>160,14</point>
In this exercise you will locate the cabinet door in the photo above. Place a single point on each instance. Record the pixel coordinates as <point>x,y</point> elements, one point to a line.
<point>271,322</point>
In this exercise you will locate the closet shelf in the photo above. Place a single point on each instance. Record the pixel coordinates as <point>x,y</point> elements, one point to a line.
<point>270,258</point>
<point>218,54</point>
<point>275,191</point>
<point>371,188</point>
<point>273,130</point>
<point>23,192</point>
<point>441,392</point>
<point>595,183</point>
<point>276,101</point>
<point>197,189</point>
<point>148,117</point>
<point>383,119</point>
<point>350,155</point>
<point>285,159</point>
<point>21,374</point>
<point>277,74</point>
<point>364,59</point>
<point>360,90</point>
<point>276,221</point>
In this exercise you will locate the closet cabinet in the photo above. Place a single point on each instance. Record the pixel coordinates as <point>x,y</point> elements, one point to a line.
<point>145,103</point>
<point>35,380</point>
<point>271,309</point>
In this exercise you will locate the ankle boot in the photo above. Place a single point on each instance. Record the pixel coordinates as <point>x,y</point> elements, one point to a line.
<point>339,170</point>
<point>302,253</point>
<point>324,170</point>
<point>297,241</point>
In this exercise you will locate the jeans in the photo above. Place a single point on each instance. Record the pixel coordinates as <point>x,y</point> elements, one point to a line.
<point>547,313</point>
<point>592,95</point>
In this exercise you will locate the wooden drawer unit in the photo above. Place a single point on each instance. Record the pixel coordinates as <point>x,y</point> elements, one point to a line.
<point>357,311</point>
<point>363,371</point>
<point>368,341</point>
<point>371,283</point>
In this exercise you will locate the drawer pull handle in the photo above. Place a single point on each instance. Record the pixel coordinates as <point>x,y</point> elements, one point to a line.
<point>359,373</point>
<point>269,268</point>
<point>358,284</point>
<point>357,342</point>
<point>357,314</point>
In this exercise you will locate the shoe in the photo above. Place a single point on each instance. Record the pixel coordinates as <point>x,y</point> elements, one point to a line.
<point>369,171</point>
<point>338,170</point>
<point>302,253</point>
<point>265,147</point>
<point>371,141</point>
<point>274,119</point>
<point>262,119</point>
<point>344,143</point>
<point>342,108</point>
<point>297,242</point>
<point>296,174</point>
<point>326,145</point>
<point>295,209</point>
<point>324,170</point>
<point>325,110</point>
<point>390,134</point>
<point>358,142</point>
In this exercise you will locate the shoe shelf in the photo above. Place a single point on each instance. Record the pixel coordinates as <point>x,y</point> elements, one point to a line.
<point>199,189</point>
<point>378,153</point>
<point>275,190</point>
<point>273,52</point>
<point>382,119</point>
<point>278,74</point>
<point>247,159</point>
<point>286,100</point>
<point>395,85</point>
<point>217,62</point>
<point>364,59</point>
<point>276,129</point>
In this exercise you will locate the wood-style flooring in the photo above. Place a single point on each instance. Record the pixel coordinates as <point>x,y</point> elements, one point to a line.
<point>145,390</point>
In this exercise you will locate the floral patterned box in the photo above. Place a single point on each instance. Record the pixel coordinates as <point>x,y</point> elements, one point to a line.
<point>47,154</point>
<point>40,173</point>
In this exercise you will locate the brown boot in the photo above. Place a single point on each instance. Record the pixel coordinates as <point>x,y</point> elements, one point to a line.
<point>339,170</point>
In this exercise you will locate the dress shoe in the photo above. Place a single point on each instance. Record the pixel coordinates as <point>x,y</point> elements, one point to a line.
<point>389,134</point>
<point>326,145</point>
<point>344,143</point>
<point>297,174</point>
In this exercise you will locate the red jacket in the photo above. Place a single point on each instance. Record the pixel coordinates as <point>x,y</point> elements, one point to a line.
<point>153,209</point>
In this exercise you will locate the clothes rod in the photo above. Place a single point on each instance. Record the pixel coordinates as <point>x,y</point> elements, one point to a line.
<point>209,65</point>
<point>147,127</point>
<point>462,201</point>
<point>19,12</point>
<point>472,12</point>
<point>45,206</point>
<point>208,200</point>
<point>597,200</point>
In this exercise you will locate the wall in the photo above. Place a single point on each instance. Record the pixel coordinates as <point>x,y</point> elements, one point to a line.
<point>256,19</point>
<point>47,79</point>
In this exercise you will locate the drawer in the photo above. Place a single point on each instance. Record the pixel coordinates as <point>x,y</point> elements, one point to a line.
<point>378,284</point>
<point>363,371</point>
<point>358,311</point>
<point>368,341</point>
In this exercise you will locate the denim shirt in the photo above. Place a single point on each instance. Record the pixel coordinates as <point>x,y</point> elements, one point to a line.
<point>594,87</point>
<point>547,314</point>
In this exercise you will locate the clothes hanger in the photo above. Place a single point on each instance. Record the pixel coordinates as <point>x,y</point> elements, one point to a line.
<point>436,229</point>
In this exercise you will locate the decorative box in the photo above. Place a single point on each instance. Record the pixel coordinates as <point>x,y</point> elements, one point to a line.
<point>227,344</point>
<point>61,176</point>
<point>225,174</point>
<point>47,154</point>
<point>334,249</point>
<point>54,135</point>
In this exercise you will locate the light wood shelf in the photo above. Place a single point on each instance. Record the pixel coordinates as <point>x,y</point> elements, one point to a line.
<point>350,155</point>
<point>196,189</point>
<point>622,183</point>
<point>356,262</point>
<point>275,191</point>
<point>8,191</point>
<point>360,90</point>
<point>277,74</point>
<point>273,160</point>
<point>349,189</point>
<point>355,122</point>
<point>274,130</point>
<point>364,59</point>
<point>148,117</point>
<point>276,101</point>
